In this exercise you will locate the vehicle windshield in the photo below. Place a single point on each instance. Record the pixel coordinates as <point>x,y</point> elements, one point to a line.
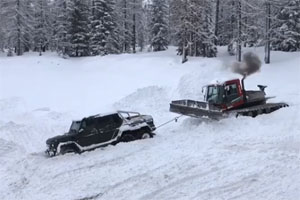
<point>215,94</point>
<point>75,126</point>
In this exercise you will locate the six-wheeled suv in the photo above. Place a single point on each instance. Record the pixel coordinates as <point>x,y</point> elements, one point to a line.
<point>102,130</point>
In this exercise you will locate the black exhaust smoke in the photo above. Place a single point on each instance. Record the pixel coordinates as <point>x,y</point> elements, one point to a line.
<point>250,65</point>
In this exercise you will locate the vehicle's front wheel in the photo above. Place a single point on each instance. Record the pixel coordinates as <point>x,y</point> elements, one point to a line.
<point>68,149</point>
<point>51,152</point>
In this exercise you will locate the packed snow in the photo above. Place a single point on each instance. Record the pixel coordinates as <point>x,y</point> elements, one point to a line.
<point>235,158</point>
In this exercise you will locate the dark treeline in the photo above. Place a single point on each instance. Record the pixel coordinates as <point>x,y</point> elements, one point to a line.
<point>100,27</point>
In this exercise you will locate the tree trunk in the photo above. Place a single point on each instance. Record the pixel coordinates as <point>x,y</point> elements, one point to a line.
<point>217,21</point>
<point>239,39</point>
<point>18,49</point>
<point>93,7</point>
<point>134,28</point>
<point>184,39</point>
<point>268,23</point>
<point>126,46</point>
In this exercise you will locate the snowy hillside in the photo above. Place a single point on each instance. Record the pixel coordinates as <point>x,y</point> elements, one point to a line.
<point>243,158</point>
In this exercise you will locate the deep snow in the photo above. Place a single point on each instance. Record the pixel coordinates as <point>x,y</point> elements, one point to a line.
<point>242,158</point>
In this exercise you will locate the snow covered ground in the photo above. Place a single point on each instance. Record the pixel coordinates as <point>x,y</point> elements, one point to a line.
<point>242,158</point>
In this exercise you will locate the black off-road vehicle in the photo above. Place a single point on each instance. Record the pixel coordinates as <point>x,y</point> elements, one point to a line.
<point>102,130</point>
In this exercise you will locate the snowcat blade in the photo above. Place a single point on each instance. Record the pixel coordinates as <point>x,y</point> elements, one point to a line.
<point>196,109</point>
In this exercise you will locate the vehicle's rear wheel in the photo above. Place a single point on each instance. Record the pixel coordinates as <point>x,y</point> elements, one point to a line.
<point>127,138</point>
<point>145,135</point>
<point>252,114</point>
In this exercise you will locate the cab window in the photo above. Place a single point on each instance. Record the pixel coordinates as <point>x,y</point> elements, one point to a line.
<point>215,94</point>
<point>231,92</point>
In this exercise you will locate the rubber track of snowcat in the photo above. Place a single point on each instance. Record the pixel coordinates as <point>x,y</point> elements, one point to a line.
<point>259,109</point>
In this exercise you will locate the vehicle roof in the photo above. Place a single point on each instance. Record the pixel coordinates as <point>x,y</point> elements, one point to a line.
<point>104,114</point>
<point>118,112</point>
<point>219,83</point>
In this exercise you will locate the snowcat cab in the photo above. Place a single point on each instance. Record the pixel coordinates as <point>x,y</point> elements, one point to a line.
<point>226,95</point>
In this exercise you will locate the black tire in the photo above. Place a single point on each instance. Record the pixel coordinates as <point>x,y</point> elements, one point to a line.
<point>68,149</point>
<point>51,152</point>
<point>260,112</point>
<point>252,114</point>
<point>127,138</point>
<point>146,135</point>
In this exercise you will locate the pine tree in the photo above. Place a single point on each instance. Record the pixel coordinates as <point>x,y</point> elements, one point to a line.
<point>113,45</point>
<point>61,25</point>
<point>78,30</point>
<point>16,17</point>
<point>286,33</point>
<point>123,23</point>
<point>42,26</point>
<point>3,27</point>
<point>194,27</point>
<point>142,24</point>
<point>159,25</point>
<point>178,25</point>
<point>227,24</point>
<point>208,42</point>
<point>102,27</point>
<point>253,22</point>
<point>2,38</point>
<point>130,27</point>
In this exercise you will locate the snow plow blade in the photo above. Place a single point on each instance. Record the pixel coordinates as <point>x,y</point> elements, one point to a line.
<point>196,109</point>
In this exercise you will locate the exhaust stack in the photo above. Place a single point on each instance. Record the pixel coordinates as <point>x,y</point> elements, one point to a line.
<point>243,88</point>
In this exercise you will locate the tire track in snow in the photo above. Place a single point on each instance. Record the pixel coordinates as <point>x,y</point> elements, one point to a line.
<point>177,183</point>
<point>226,190</point>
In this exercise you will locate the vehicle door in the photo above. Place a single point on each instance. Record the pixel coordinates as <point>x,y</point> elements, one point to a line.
<point>108,127</point>
<point>215,95</point>
<point>233,98</point>
<point>88,134</point>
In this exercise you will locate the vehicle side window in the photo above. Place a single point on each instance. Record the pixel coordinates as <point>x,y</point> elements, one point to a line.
<point>117,121</point>
<point>231,89</point>
<point>83,124</point>
<point>90,124</point>
<point>231,92</point>
<point>108,122</point>
<point>102,123</point>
